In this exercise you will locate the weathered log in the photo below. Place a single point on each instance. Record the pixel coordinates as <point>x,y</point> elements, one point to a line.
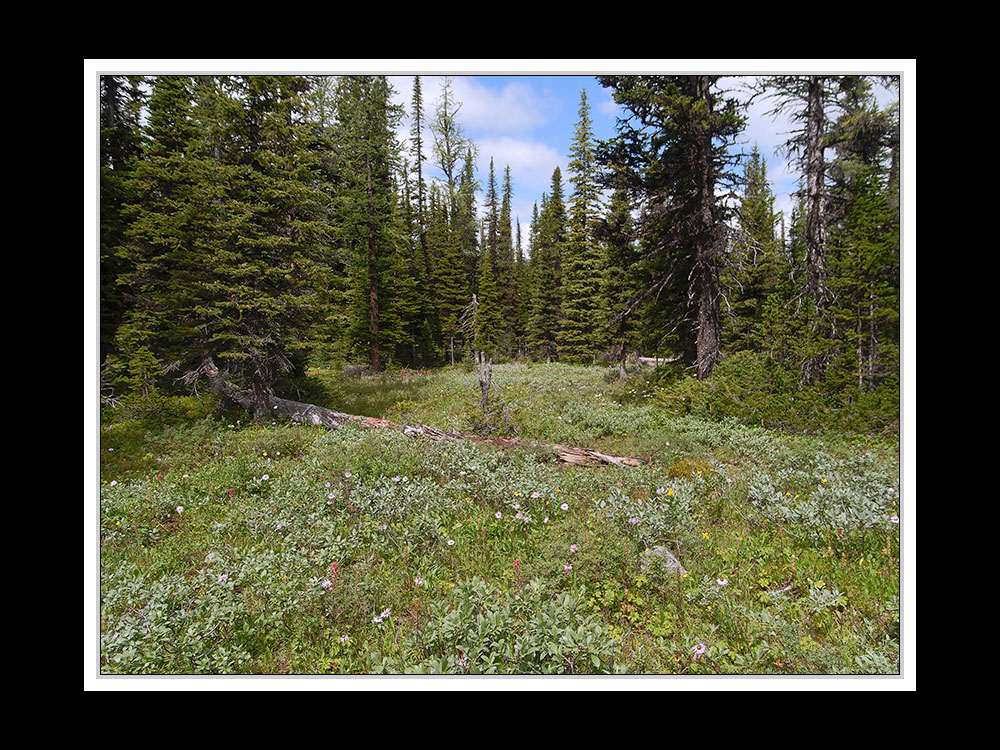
<point>310,414</point>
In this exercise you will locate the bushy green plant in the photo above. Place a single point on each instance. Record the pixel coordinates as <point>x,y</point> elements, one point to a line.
<point>481,630</point>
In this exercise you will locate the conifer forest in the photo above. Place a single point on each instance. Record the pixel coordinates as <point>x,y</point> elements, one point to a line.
<point>361,411</point>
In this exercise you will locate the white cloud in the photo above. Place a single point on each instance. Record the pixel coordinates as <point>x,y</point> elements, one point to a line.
<point>515,108</point>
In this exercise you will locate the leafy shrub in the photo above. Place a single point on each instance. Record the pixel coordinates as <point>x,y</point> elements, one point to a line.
<point>480,630</point>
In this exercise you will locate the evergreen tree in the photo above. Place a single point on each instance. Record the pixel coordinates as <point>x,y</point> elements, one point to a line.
<point>619,282</point>
<point>169,239</point>
<point>522,292</point>
<point>264,297</point>
<point>451,284</point>
<point>752,264</point>
<point>505,268</point>
<point>227,230</point>
<point>549,241</point>
<point>417,150</point>
<point>672,151</point>
<point>121,102</point>
<point>581,310</point>
<point>489,325</point>
<point>464,220</point>
<point>366,210</point>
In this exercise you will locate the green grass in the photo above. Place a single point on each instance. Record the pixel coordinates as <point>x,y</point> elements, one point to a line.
<point>224,550</point>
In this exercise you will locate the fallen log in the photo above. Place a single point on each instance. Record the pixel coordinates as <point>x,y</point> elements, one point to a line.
<point>310,414</point>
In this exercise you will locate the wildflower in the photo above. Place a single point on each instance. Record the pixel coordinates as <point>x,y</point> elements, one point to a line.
<point>418,581</point>
<point>567,568</point>
<point>347,474</point>
<point>406,479</point>
<point>670,493</point>
<point>519,516</point>
<point>633,521</point>
<point>545,520</point>
<point>451,542</point>
<point>705,534</point>
<point>343,639</point>
<point>113,483</point>
<point>699,649</point>
<point>265,477</point>
<point>278,525</point>
<point>894,519</point>
<point>572,548</point>
<point>223,578</point>
<point>659,490</point>
<point>499,514</point>
<point>329,496</point>
<point>891,490</point>
<point>461,473</point>
<point>179,509</point>
<point>564,506</point>
<point>722,581</point>
<point>536,495</point>
<point>326,584</point>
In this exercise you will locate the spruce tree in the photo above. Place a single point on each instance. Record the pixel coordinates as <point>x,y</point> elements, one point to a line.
<point>619,284</point>
<point>546,255</point>
<point>672,149</point>
<point>490,331</point>
<point>752,264</point>
<point>122,99</point>
<point>264,297</point>
<point>580,314</point>
<point>366,210</point>
<point>505,268</point>
<point>451,284</point>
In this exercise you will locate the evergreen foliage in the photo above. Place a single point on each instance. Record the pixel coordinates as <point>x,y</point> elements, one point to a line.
<point>258,223</point>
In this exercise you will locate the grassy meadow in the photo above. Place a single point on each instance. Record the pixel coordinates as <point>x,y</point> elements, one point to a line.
<point>234,547</point>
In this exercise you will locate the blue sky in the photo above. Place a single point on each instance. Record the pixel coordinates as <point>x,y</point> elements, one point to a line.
<point>528,121</point>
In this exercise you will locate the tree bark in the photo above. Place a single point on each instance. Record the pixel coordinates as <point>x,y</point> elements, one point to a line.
<point>705,284</point>
<point>815,168</point>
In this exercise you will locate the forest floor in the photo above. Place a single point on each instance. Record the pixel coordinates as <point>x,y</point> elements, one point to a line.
<point>234,547</point>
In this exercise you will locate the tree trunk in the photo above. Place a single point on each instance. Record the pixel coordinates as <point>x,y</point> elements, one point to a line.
<point>705,284</point>
<point>815,168</point>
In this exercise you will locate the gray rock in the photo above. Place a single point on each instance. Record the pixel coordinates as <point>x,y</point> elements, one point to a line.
<point>661,559</point>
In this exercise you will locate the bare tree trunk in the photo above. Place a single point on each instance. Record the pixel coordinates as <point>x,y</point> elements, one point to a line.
<point>484,369</point>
